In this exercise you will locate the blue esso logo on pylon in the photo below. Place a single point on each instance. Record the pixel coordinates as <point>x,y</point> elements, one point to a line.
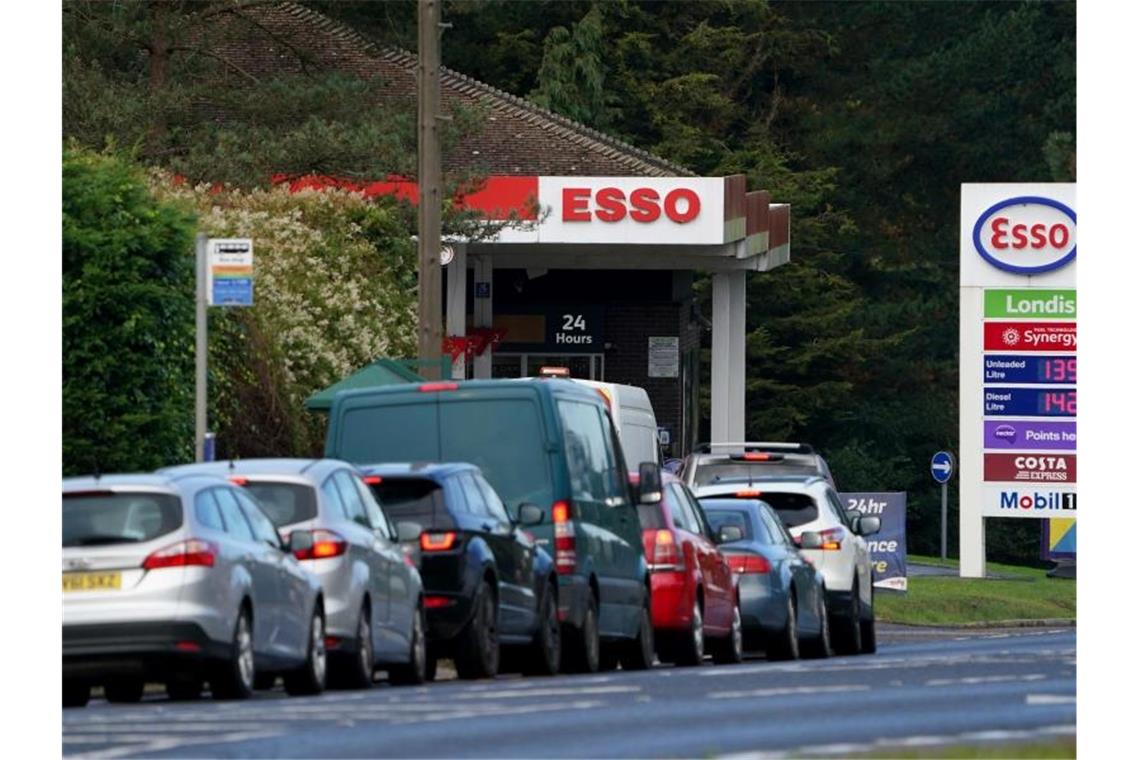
<point>1027,235</point>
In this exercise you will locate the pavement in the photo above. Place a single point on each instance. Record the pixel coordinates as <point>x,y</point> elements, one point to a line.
<point>924,688</point>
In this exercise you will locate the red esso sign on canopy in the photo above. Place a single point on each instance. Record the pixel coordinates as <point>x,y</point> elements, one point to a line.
<point>1027,235</point>
<point>642,204</point>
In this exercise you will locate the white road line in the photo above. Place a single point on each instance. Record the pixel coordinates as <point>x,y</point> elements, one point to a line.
<point>568,691</point>
<point>1050,699</point>
<point>780,691</point>
<point>984,679</point>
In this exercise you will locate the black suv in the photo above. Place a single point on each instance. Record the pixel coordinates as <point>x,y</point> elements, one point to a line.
<point>486,582</point>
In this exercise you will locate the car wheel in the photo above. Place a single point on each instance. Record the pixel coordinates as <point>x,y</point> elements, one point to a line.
<point>76,693</point>
<point>310,677</point>
<point>545,655</point>
<point>690,648</point>
<point>820,646</point>
<point>477,650</point>
<point>123,690</point>
<point>233,678</point>
<point>414,672</point>
<point>582,652</point>
<point>786,644</point>
<point>638,654</point>
<point>849,638</point>
<point>354,671</point>
<point>867,626</point>
<point>183,687</point>
<point>730,649</point>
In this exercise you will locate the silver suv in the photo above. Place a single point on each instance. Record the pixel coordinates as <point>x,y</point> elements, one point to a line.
<point>372,590</point>
<point>712,462</point>
<point>165,574</point>
<point>809,503</point>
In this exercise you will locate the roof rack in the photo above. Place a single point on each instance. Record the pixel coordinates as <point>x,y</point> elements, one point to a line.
<point>794,448</point>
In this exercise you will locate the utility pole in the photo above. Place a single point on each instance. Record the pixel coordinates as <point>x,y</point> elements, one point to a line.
<point>431,195</point>
<point>201,347</point>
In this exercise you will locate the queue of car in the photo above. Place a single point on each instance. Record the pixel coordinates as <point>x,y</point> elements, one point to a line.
<point>496,524</point>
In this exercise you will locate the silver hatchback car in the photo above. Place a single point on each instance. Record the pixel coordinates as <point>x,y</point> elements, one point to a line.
<point>372,590</point>
<point>182,579</point>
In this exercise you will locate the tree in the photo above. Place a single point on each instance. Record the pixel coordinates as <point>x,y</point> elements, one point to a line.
<point>128,320</point>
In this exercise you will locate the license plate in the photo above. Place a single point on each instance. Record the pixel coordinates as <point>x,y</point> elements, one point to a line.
<point>91,581</point>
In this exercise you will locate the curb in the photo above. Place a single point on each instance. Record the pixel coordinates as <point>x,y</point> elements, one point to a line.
<point>1043,623</point>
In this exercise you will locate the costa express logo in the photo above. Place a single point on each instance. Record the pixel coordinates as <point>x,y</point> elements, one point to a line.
<point>643,204</point>
<point>1027,235</point>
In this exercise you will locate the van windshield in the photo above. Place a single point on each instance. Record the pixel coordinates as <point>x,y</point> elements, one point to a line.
<point>501,436</point>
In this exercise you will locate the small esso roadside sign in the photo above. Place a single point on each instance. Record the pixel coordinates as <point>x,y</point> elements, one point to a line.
<point>1027,235</point>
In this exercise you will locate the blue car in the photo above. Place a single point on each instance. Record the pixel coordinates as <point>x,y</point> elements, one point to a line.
<point>782,600</point>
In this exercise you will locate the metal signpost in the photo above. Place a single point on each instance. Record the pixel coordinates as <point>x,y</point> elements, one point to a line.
<point>224,277</point>
<point>942,469</point>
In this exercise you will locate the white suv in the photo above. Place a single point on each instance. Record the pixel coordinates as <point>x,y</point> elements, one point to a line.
<point>809,503</point>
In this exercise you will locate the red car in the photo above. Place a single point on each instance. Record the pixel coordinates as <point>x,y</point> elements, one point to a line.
<point>693,594</point>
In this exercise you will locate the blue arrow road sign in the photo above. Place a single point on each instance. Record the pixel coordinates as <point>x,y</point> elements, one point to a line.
<point>942,466</point>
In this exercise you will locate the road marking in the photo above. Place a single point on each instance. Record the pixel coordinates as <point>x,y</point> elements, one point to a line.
<point>780,691</point>
<point>1050,699</point>
<point>550,692</point>
<point>984,679</point>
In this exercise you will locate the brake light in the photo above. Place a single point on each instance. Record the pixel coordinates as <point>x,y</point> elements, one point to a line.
<point>435,602</point>
<point>436,387</point>
<point>239,481</point>
<point>438,542</point>
<point>326,544</point>
<point>666,552</point>
<point>192,552</point>
<point>832,539</point>
<point>753,457</point>
<point>565,545</point>
<point>373,480</point>
<point>749,493</point>
<point>748,563</point>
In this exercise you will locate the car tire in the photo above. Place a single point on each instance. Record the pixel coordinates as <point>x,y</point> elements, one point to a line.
<point>786,644</point>
<point>689,649</point>
<point>848,627</point>
<point>477,646</point>
<point>867,624</point>
<point>730,649</point>
<point>123,690</point>
<point>183,688</point>
<point>234,677</point>
<point>309,679</point>
<point>638,653</point>
<point>353,670</point>
<point>414,671</point>
<point>819,647</point>
<point>76,693</point>
<point>582,648</point>
<point>544,656</point>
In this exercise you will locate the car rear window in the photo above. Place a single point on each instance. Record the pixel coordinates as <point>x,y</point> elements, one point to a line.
<point>285,503</point>
<point>719,518</point>
<point>106,518</point>
<point>409,500</point>
<point>715,472</point>
<point>794,509</point>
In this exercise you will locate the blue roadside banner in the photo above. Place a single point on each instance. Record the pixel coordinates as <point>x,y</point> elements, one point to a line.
<point>888,546</point>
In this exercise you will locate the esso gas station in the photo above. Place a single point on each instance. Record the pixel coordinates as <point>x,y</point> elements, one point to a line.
<point>596,274</point>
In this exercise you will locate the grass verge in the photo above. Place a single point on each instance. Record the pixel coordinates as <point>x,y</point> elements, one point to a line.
<point>1061,748</point>
<point>1023,593</point>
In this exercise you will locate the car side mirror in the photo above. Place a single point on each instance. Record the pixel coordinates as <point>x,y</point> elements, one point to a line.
<point>728,534</point>
<point>408,531</point>
<point>529,514</point>
<point>867,525</point>
<point>299,541</point>
<point>853,515</point>
<point>809,539</point>
<point>649,488</point>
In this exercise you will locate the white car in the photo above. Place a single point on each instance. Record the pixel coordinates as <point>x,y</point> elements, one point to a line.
<point>809,503</point>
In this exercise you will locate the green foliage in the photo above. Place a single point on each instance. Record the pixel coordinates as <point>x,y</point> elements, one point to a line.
<point>128,320</point>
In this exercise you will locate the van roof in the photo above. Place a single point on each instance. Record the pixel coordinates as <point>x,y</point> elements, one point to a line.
<point>541,386</point>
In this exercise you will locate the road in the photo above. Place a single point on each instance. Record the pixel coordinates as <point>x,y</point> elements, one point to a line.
<point>923,688</point>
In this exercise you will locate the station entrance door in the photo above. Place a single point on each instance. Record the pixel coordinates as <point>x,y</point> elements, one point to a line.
<point>581,366</point>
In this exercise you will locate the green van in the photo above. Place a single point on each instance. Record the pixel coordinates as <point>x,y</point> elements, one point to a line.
<point>549,443</point>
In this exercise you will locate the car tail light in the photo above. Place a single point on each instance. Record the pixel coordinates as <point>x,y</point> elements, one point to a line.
<point>239,481</point>
<point>748,563</point>
<point>666,551</point>
<point>436,387</point>
<point>749,493</point>
<point>372,480</point>
<point>332,642</point>
<point>192,552</point>
<point>188,646</point>
<point>565,545</point>
<point>832,539</point>
<point>435,602</point>
<point>438,542</point>
<point>326,544</point>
